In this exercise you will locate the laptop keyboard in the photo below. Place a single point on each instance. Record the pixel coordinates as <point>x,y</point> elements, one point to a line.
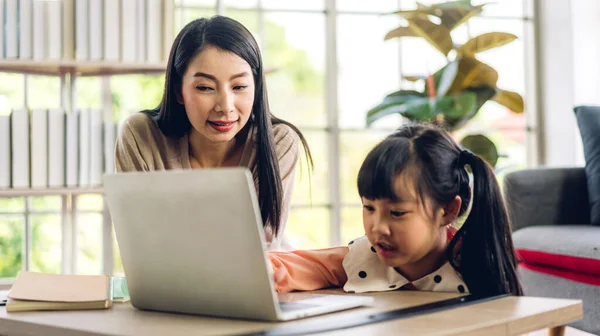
<point>290,306</point>
<point>296,301</point>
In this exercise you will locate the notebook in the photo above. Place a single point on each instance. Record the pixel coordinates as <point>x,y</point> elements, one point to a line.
<point>41,291</point>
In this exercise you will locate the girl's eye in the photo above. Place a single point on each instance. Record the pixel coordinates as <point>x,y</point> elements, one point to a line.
<point>397,213</point>
<point>203,88</point>
<point>368,208</point>
<point>240,87</point>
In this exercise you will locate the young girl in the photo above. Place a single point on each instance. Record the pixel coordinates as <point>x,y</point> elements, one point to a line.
<point>413,187</point>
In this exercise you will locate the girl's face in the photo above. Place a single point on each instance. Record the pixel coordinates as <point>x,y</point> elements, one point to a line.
<point>217,91</point>
<point>406,233</point>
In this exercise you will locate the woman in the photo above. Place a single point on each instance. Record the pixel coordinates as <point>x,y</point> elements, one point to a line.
<point>214,113</point>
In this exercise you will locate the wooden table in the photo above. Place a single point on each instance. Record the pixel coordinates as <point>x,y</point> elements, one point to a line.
<point>505,316</point>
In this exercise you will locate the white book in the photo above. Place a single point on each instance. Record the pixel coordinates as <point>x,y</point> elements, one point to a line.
<point>56,148</point>
<point>95,34</point>
<point>68,29</point>
<point>96,147</point>
<point>2,29</point>
<point>109,146</point>
<point>11,29</point>
<point>84,148</point>
<point>72,149</point>
<point>4,151</point>
<point>19,124</point>
<point>39,148</point>
<point>25,29</point>
<point>54,30</point>
<point>82,38</point>
<point>141,32</point>
<point>39,30</point>
<point>112,30</point>
<point>128,30</point>
<point>154,29</point>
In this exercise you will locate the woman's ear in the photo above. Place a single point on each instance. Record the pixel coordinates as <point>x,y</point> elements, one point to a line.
<point>178,93</point>
<point>451,211</point>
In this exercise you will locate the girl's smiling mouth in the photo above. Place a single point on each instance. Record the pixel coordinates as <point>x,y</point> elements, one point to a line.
<point>385,250</point>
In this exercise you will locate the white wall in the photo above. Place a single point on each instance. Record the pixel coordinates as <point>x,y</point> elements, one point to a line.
<point>586,57</point>
<point>568,74</point>
<point>555,74</point>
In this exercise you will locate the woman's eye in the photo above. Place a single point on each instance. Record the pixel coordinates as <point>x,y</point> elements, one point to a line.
<point>240,87</point>
<point>203,88</point>
<point>397,213</point>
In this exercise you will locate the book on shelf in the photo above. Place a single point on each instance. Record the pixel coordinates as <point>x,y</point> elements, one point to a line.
<point>39,148</point>
<point>19,123</point>
<point>72,142</point>
<point>54,27</point>
<point>39,30</point>
<point>56,148</point>
<point>5,152</point>
<point>25,24</point>
<point>41,291</point>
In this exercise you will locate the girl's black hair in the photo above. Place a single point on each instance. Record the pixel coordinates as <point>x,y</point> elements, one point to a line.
<point>229,35</point>
<point>486,258</point>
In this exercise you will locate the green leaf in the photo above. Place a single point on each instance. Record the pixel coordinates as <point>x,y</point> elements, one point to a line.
<point>394,105</point>
<point>483,94</point>
<point>482,146</point>
<point>485,42</point>
<point>424,109</point>
<point>437,35</point>
<point>453,4</point>
<point>414,78</point>
<point>473,73</point>
<point>447,78</point>
<point>456,107</point>
<point>404,93</point>
<point>455,16</point>
<point>400,32</point>
<point>511,100</point>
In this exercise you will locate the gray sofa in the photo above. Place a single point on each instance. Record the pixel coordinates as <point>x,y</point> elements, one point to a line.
<point>550,214</point>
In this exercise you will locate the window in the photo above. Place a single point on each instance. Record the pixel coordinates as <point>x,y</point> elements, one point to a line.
<point>326,67</point>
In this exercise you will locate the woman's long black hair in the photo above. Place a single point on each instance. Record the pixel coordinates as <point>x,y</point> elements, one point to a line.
<point>485,253</point>
<point>229,35</point>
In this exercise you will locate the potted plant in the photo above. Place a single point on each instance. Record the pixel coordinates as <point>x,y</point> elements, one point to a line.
<point>455,93</point>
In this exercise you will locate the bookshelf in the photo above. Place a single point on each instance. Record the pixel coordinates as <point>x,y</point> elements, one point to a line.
<point>50,191</point>
<point>78,68</point>
<point>140,48</point>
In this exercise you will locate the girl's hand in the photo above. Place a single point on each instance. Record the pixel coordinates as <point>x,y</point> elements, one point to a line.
<point>278,275</point>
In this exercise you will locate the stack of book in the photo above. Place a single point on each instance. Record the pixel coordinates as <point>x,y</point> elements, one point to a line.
<point>40,291</point>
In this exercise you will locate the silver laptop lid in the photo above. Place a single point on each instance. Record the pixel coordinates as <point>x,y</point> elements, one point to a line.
<point>192,241</point>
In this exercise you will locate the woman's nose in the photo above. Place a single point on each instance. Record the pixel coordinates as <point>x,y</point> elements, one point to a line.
<point>225,102</point>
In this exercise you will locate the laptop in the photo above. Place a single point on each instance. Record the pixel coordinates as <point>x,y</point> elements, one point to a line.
<point>192,242</point>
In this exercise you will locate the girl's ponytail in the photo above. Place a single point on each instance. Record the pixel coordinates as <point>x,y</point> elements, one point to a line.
<point>487,260</point>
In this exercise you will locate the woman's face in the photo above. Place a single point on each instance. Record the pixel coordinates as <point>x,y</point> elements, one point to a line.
<point>218,94</point>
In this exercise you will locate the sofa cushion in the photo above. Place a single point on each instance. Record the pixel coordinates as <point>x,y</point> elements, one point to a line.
<point>588,119</point>
<point>570,251</point>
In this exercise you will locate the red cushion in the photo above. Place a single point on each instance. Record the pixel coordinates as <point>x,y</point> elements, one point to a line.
<point>585,270</point>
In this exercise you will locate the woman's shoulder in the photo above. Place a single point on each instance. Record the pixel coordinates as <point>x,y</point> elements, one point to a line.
<point>285,137</point>
<point>140,122</point>
<point>141,127</point>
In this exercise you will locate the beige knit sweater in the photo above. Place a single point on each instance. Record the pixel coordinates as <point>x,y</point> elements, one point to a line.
<point>141,146</point>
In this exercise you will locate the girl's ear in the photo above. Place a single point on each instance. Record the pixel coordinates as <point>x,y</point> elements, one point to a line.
<point>451,211</point>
